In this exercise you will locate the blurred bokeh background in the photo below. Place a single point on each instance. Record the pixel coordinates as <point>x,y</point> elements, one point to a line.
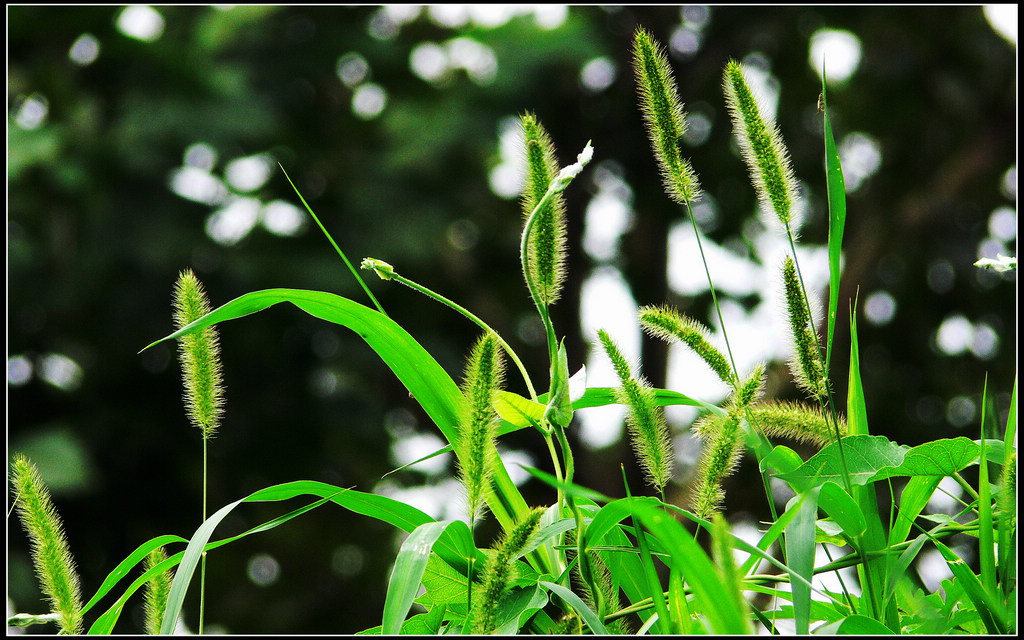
<point>145,140</point>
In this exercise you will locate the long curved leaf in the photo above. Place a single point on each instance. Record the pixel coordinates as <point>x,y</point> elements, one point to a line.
<point>399,514</point>
<point>432,387</point>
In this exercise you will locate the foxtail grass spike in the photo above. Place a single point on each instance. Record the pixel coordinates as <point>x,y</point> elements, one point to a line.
<point>645,421</point>
<point>762,146</point>
<point>669,325</point>
<point>157,590</point>
<point>199,353</point>
<point>546,247</point>
<point>752,388</point>
<point>483,379</point>
<point>793,421</point>
<point>51,556</point>
<point>498,572</point>
<point>1007,498</point>
<point>721,453</point>
<point>663,113</point>
<point>806,365</point>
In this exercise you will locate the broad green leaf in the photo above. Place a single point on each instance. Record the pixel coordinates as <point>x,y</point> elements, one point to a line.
<point>516,608</point>
<point>573,600</point>
<point>843,509</point>
<point>782,459</point>
<point>432,387</point>
<point>407,574</point>
<point>866,458</point>
<point>518,410</point>
<point>421,624</point>
<point>444,587</point>
<point>872,458</point>
<point>836,187</point>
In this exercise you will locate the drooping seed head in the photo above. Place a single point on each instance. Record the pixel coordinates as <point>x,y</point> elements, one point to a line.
<point>664,117</point>
<point>794,421</point>
<point>671,326</point>
<point>644,420</point>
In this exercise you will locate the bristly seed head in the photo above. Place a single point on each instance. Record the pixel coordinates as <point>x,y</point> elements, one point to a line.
<point>645,420</point>
<point>51,556</point>
<point>671,326</point>
<point>806,365</point>
<point>663,113</point>
<point>762,146</point>
<point>199,354</point>
<point>546,245</point>
<point>483,379</point>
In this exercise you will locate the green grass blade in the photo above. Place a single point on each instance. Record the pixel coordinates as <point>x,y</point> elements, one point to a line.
<point>986,603</point>
<point>836,186</point>
<point>986,541</point>
<point>856,625</point>
<point>800,555</point>
<point>355,272</point>
<point>432,387</point>
<point>105,623</point>
<point>684,554</point>
<point>407,574</point>
<point>128,564</point>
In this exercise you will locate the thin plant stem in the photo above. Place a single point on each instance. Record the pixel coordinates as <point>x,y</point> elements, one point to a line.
<point>714,296</point>
<point>468,314</point>
<point>202,572</point>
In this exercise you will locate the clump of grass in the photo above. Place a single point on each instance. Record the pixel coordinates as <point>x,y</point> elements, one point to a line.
<point>54,564</point>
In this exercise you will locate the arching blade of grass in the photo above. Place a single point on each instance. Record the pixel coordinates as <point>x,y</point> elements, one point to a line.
<point>432,387</point>
<point>128,564</point>
<point>684,553</point>
<point>105,623</point>
<point>836,186</point>
<point>450,546</point>
<point>573,600</point>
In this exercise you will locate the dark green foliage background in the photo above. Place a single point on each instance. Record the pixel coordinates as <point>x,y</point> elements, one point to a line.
<point>96,238</point>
